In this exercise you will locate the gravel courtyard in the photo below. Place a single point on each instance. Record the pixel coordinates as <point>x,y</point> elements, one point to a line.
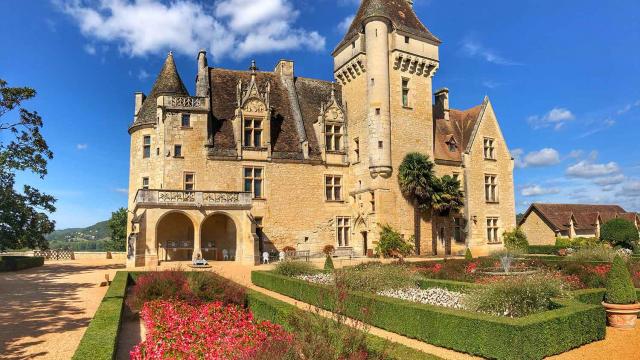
<point>45,311</point>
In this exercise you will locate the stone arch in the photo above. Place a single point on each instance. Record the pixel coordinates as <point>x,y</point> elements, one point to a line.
<point>175,236</point>
<point>219,232</point>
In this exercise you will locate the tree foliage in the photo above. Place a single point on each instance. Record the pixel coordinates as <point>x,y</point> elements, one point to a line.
<point>516,239</point>
<point>620,232</point>
<point>392,244</point>
<point>23,215</point>
<point>446,196</point>
<point>620,288</point>
<point>118,227</point>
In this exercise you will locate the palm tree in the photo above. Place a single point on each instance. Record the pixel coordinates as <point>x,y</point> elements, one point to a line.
<point>416,178</point>
<point>447,197</point>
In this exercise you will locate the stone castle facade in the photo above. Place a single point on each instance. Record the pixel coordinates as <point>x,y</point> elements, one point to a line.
<point>260,160</point>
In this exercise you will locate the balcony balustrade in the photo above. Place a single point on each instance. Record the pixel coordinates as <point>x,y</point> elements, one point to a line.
<point>183,198</point>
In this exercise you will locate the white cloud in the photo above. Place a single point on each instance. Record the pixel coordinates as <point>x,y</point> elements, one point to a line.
<point>536,190</point>
<point>630,189</point>
<point>121,190</point>
<point>556,118</point>
<point>230,28</point>
<point>344,25</point>
<point>587,169</point>
<point>82,146</point>
<point>143,74</point>
<point>90,49</point>
<point>628,107</point>
<point>473,48</point>
<point>607,123</point>
<point>543,157</point>
<point>490,84</point>
<point>610,180</point>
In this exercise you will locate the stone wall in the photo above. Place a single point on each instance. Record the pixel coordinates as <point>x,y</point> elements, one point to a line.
<point>537,230</point>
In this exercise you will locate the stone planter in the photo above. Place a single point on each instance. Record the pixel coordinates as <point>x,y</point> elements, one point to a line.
<point>622,316</point>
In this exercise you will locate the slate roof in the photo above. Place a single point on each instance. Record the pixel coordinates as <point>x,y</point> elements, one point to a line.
<point>558,216</point>
<point>459,127</point>
<point>285,140</point>
<point>399,12</point>
<point>168,82</point>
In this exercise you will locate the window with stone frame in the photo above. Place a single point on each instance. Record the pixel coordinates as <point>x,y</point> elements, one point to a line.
<point>356,150</point>
<point>189,181</point>
<point>405,92</point>
<point>333,137</point>
<point>177,150</point>
<point>492,230</point>
<point>458,230</point>
<point>186,120</point>
<point>343,229</point>
<point>491,188</point>
<point>489,149</point>
<point>333,187</point>
<point>146,146</point>
<point>373,201</point>
<point>145,183</point>
<point>254,181</point>
<point>253,133</point>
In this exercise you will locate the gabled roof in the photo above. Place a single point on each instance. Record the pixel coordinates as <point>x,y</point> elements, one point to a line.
<point>168,82</point>
<point>398,12</point>
<point>585,217</point>
<point>460,126</point>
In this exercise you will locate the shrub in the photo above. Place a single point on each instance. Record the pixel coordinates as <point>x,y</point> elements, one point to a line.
<point>208,286</point>
<point>563,242</point>
<point>288,249</point>
<point>620,288</point>
<point>328,249</point>
<point>154,285</point>
<point>619,232</point>
<point>579,242</point>
<point>294,268</point>
<point>595,253</point>
<point>516,296</point>
<point>328,263</point>
<point>544,249</point>
<point>14,263</point>
<point>515,239</point>
<point>374,277</point>
<point>467,255</point>
<point>392,244</point>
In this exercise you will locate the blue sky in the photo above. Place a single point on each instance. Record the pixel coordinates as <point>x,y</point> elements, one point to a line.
<point>563,77</point>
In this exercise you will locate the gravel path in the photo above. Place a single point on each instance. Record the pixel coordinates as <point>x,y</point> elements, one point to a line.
<point>45,311</point>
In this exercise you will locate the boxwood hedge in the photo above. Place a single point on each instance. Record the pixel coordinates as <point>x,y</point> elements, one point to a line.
<point>13,263</point>
<point>101,338</point>
<point>536,336</point>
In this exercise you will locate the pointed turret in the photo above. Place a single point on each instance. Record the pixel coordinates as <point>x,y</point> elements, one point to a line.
<point>399,12</point>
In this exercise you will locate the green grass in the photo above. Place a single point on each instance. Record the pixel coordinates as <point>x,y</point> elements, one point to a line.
<point>101,338</point>
<point>570,325</point>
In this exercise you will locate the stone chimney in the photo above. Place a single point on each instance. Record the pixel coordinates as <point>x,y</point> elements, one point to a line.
<point>284,68</point>
<point>202,80</point>
<point>139,99</point>
<point>441,105</point>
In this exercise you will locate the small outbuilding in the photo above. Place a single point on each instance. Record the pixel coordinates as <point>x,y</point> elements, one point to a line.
<point>543,223</point>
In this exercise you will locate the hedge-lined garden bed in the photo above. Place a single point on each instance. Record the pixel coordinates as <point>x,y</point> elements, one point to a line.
<point>13,263</point>
<point>101,338</point>
<point>536,336</point>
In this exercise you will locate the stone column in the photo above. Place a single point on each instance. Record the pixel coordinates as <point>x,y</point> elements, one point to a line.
<point>197,240</point>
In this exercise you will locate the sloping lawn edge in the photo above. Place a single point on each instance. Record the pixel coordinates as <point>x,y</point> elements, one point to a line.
<point>536,336</point>
<point>101,338</point>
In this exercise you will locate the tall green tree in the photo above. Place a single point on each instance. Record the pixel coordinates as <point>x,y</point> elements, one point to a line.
<point>118,227</point>
<point>416,177</point>
<point>24,219</point>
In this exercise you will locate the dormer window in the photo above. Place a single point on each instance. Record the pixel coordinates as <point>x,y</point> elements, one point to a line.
<point>452,144</point>
<point>252,133</point>
<point>333,137</point>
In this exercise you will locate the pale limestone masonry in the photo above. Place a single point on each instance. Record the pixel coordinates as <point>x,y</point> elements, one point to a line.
<point>260,160</point>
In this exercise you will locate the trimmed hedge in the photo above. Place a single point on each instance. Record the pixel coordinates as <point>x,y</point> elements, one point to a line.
<point>14,263</point>
<point>545,249</point>
<point>535,336</point>
<point>101,338</point>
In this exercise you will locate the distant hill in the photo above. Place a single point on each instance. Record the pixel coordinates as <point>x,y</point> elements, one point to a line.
<point>81,239</point>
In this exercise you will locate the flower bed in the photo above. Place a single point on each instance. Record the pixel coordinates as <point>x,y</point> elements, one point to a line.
<point>432,296</point>
<point>320,278</point>
<point>570,324</point>
<point>179,330</point>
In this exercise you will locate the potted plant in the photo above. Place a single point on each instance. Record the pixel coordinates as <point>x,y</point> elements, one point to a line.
<point>621,300</point>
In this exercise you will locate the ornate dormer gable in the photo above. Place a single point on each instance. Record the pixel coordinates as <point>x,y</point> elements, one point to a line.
<point>331,129</point>
<point>331,112</point>
<point>252,123</point>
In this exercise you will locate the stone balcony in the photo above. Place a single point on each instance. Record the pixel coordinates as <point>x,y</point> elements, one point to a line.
<point>146,198</point>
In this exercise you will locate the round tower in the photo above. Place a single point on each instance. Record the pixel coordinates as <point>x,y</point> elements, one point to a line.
<point>378,114</point>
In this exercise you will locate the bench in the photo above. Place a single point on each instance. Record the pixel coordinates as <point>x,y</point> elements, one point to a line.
<point>343,252</point>
<point>298,254</point>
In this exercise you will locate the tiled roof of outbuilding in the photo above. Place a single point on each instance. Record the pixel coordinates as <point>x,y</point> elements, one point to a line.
<point>558,216</point>
<point>399,12</point>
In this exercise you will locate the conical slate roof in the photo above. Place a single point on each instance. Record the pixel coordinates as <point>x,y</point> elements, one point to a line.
<point>399,12</point>
<point>168,82</point>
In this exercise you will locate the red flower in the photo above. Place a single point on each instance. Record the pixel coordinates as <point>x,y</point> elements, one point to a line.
<point>471,268</point>
<point>601,270</point>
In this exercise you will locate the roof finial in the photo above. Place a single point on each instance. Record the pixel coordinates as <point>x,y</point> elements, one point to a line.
<point>253,67</point>
<point>333,91</point>
<point>170,53</point>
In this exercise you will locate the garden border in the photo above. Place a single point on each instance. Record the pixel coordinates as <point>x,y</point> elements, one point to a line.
<point>100,340</point>
<point>18,262</point>
<point>535,336</point>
